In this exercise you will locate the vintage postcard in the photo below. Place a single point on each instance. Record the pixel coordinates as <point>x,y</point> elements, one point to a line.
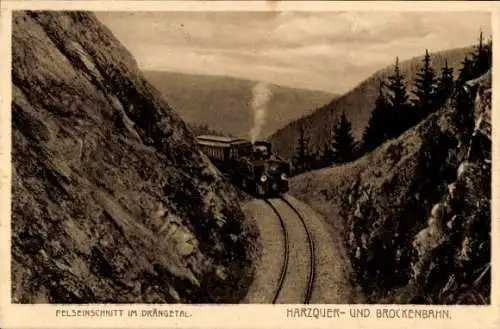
<point>249,164</point>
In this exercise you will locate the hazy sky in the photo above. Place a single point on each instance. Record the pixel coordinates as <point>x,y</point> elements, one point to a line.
<point>330,51</point>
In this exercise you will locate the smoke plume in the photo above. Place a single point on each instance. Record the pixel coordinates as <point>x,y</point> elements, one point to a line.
<point>261,95</point>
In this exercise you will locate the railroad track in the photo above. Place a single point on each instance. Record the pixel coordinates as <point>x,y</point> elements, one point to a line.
<point>286,253</point>
<point>310,243</point>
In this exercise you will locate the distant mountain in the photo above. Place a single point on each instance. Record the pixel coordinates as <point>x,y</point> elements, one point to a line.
<point>224,103</point>
<point>357,103</point>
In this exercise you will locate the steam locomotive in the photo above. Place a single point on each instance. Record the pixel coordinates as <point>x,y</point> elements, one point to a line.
<point>250,165</point>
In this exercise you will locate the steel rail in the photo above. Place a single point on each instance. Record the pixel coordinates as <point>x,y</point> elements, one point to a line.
<point>312,270</point>
<point>285,255</point>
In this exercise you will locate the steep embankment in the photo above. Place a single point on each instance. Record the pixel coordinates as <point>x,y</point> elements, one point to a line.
<point>111,199</point>
<point>225,103</point>
<point>416,211</point>
<point>357,104</point>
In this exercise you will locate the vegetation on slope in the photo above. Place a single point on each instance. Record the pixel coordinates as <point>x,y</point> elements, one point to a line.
<point>416,211</point>
<point>396,110</point>
<point>356,104</point>
<point>112,201</point>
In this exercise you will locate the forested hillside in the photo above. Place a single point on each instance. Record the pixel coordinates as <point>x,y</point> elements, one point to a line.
<point>401,103</point>
<point>415,208</point>
<point>357,105</point>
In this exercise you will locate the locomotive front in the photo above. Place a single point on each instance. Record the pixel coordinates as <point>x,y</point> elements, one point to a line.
<point>272,171</point>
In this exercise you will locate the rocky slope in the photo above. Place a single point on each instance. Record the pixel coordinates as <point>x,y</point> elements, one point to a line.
<point>111,199</point>
<point>357,104</point>
<point>225,103</point>
<point>416,211</point>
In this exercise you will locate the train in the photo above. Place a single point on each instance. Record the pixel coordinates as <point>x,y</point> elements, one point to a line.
<point>251,165</point>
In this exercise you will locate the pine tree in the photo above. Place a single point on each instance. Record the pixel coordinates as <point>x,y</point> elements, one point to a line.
<point>301,158</point>
<point>425,89</point>
<point>466,72</point>
<point>358,149</point>
<point>463,99</point>
<point>376,132</point>
<point>399,118</point>
<point>482,57</point>
<point>315,160</point>
<point>328,155</point>
<point>343,143</point>
<point>489,52</point>
<point>445,85</point>
<point>464,113</point>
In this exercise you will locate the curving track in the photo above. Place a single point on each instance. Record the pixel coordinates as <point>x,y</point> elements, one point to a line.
<point>286,252</point>
<point>298,266</point>
<point>302,259</point>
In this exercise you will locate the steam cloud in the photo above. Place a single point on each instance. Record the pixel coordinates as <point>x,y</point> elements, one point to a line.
<point>261,95</point>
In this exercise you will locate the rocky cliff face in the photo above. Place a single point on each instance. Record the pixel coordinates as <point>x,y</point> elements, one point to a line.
<point>111,199</point>
<point>416,211</point>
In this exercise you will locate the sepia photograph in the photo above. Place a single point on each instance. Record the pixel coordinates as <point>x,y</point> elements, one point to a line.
<point>251,157</point>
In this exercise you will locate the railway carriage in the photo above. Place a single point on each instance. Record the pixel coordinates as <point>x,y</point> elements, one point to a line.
<point>249,165</point>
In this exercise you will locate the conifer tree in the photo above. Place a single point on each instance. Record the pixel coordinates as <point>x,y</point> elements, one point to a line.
<point>315,160</point>
<point>481,58</point>
<point>445,85</point>
<point>399,118</point>
<point>464,113</point>
<point>463,99</point>
<point>328,154</point>
<point>343,142</point>
<point>301,158</point>
<point>466,72</point>
<point>425,89</point>
<point>377,130</point>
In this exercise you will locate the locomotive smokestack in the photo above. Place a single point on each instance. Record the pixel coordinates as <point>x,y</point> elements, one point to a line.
<point>261,95</point>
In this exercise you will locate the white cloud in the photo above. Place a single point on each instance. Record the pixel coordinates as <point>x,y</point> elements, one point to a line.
<point>330,51</point>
